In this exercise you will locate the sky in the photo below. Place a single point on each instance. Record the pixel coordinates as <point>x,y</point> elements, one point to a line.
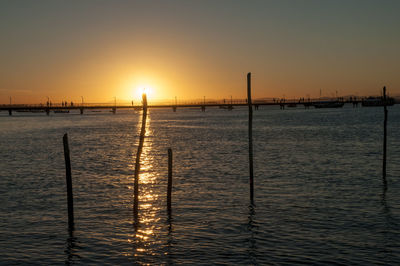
<point>98,50</point>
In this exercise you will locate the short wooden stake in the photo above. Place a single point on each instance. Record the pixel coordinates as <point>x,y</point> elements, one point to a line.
<point>169,188</point>
<point>137,164</point>
<point>70,197</point>
<point>250,137</point>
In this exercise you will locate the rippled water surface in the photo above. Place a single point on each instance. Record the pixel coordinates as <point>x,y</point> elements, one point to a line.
<point>318,188</point>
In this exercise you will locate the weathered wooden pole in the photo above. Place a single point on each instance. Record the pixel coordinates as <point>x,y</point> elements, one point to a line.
<point>70,197</point>
<point>176,105</point>
<point>138,154</point>
<point>384,137</point>
<point>169,188</point>
<point>114,109</point>
<point>250,137</point>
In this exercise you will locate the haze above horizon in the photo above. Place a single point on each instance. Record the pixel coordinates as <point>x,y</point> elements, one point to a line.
<point>105,49</point>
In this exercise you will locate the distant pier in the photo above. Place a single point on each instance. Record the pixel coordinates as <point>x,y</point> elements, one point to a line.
<point>283,103</point>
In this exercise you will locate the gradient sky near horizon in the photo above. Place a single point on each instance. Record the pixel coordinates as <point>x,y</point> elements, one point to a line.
<point>100,49</point>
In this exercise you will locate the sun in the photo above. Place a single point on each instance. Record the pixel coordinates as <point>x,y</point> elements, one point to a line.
<point>138,92</point>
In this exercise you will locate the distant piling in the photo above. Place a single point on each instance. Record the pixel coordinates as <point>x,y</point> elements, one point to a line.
<point>69,183</point>
<point>384,138</point>
<point>169,188</point>
<point>250,138</point>
<point>176,104</point>
<point>138,154</point>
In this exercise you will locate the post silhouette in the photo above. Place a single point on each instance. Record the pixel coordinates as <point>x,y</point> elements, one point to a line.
<point>176,104</point>
<point>169,188</point>
<point>114,109</point>
<point>137,164</point>
<point>70,198</point>
<point>384,138</point>
<point>250,138</point>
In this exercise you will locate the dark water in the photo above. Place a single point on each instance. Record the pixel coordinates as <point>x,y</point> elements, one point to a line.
<point>318,188</point>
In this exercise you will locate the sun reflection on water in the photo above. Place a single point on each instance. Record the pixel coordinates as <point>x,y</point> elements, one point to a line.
<point>144,231</point>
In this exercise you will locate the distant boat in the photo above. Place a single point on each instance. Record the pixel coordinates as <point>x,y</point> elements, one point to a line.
<point>61,111</point>
<point>377,101</point>
<point>329,104</point>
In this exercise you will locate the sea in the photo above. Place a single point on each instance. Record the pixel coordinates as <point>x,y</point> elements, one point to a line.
<point>319,196</point>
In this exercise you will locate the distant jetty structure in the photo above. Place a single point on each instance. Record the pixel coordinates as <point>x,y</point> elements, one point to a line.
<point>202,105</point>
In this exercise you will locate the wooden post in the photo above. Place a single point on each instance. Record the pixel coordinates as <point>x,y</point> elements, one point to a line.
<point>137,164</point>
<point>384,137</point>
<point>69,183</point>
<point>250,138</point>
<point>169,188</point>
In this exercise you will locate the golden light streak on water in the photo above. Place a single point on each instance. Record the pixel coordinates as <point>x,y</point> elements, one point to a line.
<point>145,231</point>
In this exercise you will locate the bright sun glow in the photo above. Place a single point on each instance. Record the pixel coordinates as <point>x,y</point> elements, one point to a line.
<point>133,87</point>
<point>143,89</point>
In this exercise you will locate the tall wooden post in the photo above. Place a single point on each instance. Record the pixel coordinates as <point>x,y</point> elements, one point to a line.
<point>384,137</point>
<point>250,137</point>
<point>169,188</point>
<point>70,198</point>
<point>138,154</point>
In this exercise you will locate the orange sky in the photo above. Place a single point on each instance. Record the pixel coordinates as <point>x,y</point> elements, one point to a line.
<point>189,49</point>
